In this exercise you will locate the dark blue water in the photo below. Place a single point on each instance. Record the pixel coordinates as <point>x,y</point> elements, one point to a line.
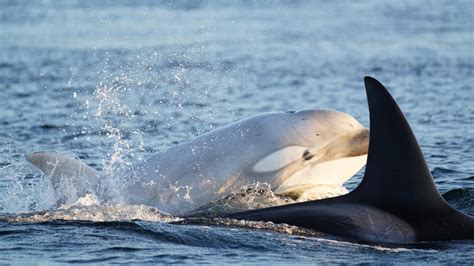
<point>111,82</point>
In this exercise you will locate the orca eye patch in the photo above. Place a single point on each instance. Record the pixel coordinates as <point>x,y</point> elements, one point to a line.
<point>307,155</point>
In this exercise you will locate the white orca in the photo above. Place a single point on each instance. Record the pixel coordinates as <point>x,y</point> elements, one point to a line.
<point>397,200</point>
<point>292,151</point>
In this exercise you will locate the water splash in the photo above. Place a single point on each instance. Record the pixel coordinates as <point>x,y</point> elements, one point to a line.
<point>21,191</point>
<point>249,197</point>
<point>90,208</point>
<point>113,112</point>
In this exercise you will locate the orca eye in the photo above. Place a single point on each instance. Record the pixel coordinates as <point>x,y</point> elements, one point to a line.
<point>307,155</point>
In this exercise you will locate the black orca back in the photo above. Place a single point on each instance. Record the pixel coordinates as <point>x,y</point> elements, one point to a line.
<point>396,175</point>
<point>397,178</point>
<point>397,200</point>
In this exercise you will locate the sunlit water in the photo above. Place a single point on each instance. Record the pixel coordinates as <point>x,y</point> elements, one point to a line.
<point>112,82</point>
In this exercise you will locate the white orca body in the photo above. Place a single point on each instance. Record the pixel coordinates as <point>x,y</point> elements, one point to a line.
<point>293,152</point>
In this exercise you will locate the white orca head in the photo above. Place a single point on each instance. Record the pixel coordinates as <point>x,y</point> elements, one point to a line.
<point>321,148</point>
<point>330,133</point>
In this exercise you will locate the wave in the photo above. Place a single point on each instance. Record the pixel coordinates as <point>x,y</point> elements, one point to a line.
<point>461,199</point>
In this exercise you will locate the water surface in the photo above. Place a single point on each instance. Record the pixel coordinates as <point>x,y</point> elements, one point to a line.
<point>112,82</point>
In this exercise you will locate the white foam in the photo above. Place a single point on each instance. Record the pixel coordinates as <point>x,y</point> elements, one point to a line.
<point>90,208</point>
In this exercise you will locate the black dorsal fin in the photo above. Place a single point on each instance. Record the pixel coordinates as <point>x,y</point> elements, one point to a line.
<point>396,174</point>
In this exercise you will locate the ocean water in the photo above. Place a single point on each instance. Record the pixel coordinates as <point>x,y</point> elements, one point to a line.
<point>112,82</point>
